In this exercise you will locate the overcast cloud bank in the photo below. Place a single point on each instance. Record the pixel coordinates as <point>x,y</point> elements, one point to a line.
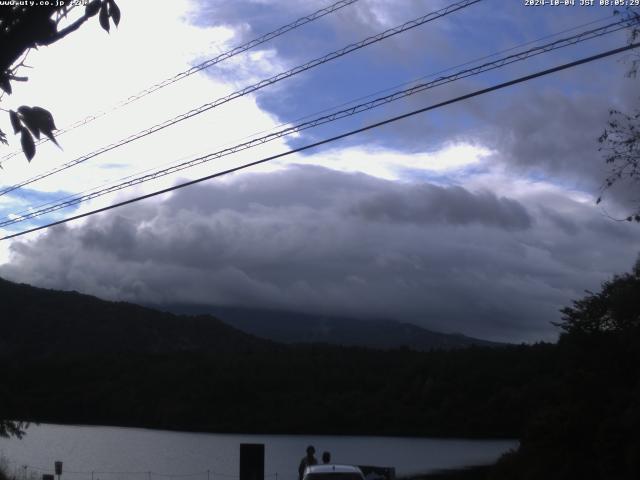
<point>316,240</point>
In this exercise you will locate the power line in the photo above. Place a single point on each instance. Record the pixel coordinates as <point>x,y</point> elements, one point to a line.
<point>335,138</point>
<point>350,102</point>
<point>448,69</point>
<point>499,63</point>
<point>197,68</point>
<point>252,88</point>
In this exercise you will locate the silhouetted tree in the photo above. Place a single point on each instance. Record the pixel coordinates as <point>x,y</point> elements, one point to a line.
<point>620,143</point>
<point>23,27</point>
<point>12,428</point>
<point>614,309</point>
<point>620,140</point>
<point>588,427</point>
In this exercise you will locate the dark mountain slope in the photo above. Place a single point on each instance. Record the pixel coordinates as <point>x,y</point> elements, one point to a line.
<point>290,327</point>
<point>73,358</point>
<point>41,322</point>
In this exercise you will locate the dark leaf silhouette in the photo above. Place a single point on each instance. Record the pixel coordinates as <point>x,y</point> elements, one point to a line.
<point>5,84</point>
<point>104,17</point>
<point>15,121</point>
<point>114,12</point>
<point>44,121</point>
<point>38,120</point>
<point>3,139</point>
<point>92,8</point>
<point>28,145</point>
<point>30,120</point>
<point>28,27</point>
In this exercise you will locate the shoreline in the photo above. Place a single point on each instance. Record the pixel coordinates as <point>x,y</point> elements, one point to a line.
<point>477,472</point>
<point>164,428</point>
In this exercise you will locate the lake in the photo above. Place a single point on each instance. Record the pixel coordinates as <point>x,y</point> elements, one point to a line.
<point>114,453</point>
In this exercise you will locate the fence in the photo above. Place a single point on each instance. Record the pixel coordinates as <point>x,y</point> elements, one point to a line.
<point>31,472</point>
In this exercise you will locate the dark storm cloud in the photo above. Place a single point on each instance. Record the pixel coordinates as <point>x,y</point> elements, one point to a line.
<point>537,128</point>
<point>315,240</point>
<point>552,135</point>
<point>448,205</point>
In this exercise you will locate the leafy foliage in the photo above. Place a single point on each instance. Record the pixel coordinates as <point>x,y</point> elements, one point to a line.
<point>590,429</point>
<point>310,389</point>
<point>31,122</point>
<point>619,141</point>
<point>12,428</point>
<point>632,15</point>
<point>620,144</point>
<point>23,27</point>
<point>614,309</point>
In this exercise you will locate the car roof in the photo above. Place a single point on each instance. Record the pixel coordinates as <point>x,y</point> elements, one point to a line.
<point>332,468</point>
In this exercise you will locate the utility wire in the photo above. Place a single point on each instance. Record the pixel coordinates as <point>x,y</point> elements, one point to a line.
<point>335,138</point>
<point>499,63</point>
<point>197,68</point>
<point>252,88</point>
<point>448,69</point>
<point>310,115</point>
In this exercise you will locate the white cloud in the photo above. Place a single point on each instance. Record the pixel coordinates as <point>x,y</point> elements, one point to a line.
<point>392,164</point>
<point>90,71</point>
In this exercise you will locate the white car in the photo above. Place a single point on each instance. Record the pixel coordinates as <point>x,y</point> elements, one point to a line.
<point>332,472</point>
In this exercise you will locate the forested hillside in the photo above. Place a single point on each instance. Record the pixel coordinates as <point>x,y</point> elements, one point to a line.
<point>314,389</point>
<point>37,322</point>
<point>68,357</point>
<point>574,405</point>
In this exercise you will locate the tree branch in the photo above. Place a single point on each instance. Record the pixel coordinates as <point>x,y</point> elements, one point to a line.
<point>65,31</point>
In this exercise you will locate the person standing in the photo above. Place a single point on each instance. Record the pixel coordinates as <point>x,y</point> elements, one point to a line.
<point>326,457</point>
<point>307,460</point>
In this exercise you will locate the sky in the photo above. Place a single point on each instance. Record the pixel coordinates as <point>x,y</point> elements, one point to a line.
<point>477,218</point>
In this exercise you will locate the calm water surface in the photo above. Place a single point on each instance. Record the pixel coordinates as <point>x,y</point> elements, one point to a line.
<point>113,453</point>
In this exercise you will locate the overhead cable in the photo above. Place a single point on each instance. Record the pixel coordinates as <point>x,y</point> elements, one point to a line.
<point>252,88</point>
<point>414,81</point>
<point>197,68</point>
<point>499,63</point>
<point>334,138</point>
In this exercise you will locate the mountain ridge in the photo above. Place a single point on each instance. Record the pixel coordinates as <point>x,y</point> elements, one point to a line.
<point>291,327</point>
<point>43,322</point>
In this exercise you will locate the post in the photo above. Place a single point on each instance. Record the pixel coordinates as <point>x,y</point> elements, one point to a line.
<point>208,475</point>
<point>252,461</point>
<point>58,468</point>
